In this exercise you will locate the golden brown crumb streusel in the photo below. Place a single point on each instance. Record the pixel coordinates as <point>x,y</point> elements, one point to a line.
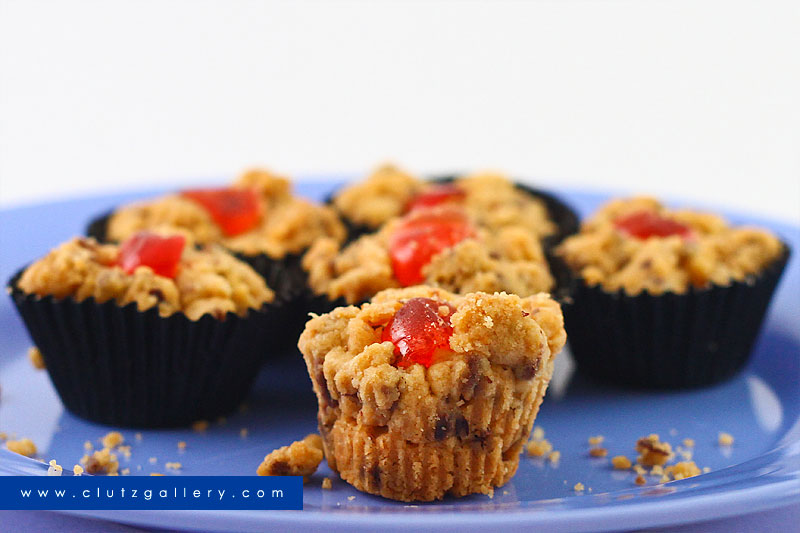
<point>490,197</point>
<point>112,439</point>
<point>620,462</point>
<point>716,253</point>
<point>24,447</point>
<point>301,458</point>
<point>208,280</point>
<point>289,224</point>
<point>418,433</point>
<point>725,439</point>
<point>539,448</point>
<point>508,258</point>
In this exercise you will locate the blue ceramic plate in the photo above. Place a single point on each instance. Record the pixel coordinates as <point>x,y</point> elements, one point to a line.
<point>760,408</point>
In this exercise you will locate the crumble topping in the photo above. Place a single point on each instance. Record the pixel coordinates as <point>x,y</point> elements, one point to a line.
<point>713,253</point>
<point>36,359</point>
<point>725,439</point>
<point>289,223</point>
<point>101,462</point>
<point>208,281</point>
<point>652,451</point>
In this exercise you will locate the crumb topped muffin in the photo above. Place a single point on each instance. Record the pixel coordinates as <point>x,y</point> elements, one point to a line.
<point>152,332</point>
<point>208,280</point>
<point>666,298</point>
<point>440,246</point>
<point>638,244</point>
<point>424,393</point>
<point>491,198</point>
<point>258,214</point>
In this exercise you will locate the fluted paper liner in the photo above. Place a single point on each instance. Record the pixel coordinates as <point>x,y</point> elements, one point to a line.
<point>696,338</point>
<point>120,366</point>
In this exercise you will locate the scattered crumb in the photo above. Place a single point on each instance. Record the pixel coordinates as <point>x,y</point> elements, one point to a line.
<point>351,498</point>
<point>101,462</point>
<point>538,433</point>
<point>686,455</point>
<point>639,469</point>
<point>657,470</point>
<point>36,359</point>
<point>598,452</point>
<point>125,450</point>
<point>55,469</point>
<point>539,448</point>
<point>126,471</point>
<point>327,484</point>
<point>24,447</point>
<point>77,470</point>
<point>706,469</point>
<point>554,456</point>
<point>243,433</point>
<point>621,462</point>
<point>155,474</point>
<point>725,439</point>
<point>578,487</point>
<point>689,443</point>
<point>301,458</point>
<point>152,460</point>
<point>652,451</point>
<point>112,440</point>
<point>138,436</point>
<point>640,480</point>
<point>173,466</point>
<point>88,446</point>
<point>683,470</point>
<point>182,445</point>
<point>3,435</point>
<point>200,426</point>
<point>664,479</point>
<point>596,440</point>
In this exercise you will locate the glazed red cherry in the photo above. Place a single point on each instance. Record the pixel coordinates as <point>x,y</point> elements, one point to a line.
<point>645,224</point>
<point>162,254</point>
<point>234,210</point>
<point>421,236</point>
<point>436,195</point>
<point>418,330</point>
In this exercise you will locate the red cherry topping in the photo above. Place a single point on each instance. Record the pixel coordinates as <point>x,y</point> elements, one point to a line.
<point>418,331</point>
<point>436,195</point>
<point>644,224</point>
<point>234,210</point>
<point>421,236</point>
<point>162,254</point>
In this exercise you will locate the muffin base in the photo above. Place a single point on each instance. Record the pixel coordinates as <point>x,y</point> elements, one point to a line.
<point>120,366</point>
<point>697,338</point>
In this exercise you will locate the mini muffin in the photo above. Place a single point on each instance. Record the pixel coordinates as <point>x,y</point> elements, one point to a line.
<point>666,298</point>
<point>424,393</point>
<point>258,218</point>
<point>491,198</point>
<point>152,332</point>
<point>478,233</point>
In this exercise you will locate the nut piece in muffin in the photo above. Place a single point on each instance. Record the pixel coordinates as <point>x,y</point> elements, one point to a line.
<point>209,280</point>
<point>301,458</point>
<point>257,214</point>
<point>488,248</point>
<point>424,393</point>
<point>637,244</point>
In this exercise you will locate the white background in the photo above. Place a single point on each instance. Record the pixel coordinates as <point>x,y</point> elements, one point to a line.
<point>698,100</point>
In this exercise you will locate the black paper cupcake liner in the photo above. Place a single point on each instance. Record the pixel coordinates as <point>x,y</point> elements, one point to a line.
<point>697,338</point>
<point>120,366</point>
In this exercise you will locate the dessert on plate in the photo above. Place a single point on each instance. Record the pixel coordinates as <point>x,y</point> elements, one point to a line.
<point>424,393</point>
<point>666,297</point>
<point>151,332</point>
